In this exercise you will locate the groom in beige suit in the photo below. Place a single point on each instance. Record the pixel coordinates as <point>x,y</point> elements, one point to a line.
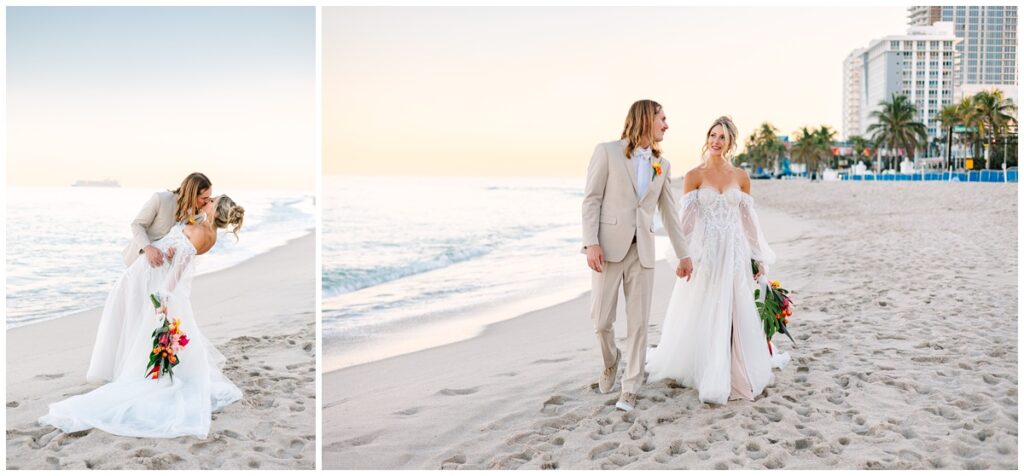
<point>161,212</point>
<point>626,181</point>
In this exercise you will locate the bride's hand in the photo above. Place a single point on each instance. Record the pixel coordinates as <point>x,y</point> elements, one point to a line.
<point>760,271</point>
<point>170,253</point>
<point>685,268</point>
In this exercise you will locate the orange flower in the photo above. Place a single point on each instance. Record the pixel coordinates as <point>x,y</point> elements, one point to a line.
<point>156,350</point>
<point>657,169</point>
<point>174,359</point>
<point>163,354</point>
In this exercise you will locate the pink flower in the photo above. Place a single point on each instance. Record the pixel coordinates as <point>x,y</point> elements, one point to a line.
<point>183,340</point>
<point>164,339</point>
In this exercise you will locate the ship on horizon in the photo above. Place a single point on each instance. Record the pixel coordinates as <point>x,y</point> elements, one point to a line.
<point>96,183</point>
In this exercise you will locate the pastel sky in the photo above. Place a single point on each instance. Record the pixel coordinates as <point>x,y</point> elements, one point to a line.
<point>529,91</point>
<point>145,95</point>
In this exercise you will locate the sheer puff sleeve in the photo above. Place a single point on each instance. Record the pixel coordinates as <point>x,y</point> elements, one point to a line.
<point>759,249</point>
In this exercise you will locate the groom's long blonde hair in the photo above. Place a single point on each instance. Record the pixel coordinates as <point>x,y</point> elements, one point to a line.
<point>190,188</point>
<point>639,126</point>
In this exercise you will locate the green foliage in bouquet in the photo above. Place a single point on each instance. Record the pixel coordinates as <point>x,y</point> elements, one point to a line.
<point>774,309</point>
<point>168,340</point>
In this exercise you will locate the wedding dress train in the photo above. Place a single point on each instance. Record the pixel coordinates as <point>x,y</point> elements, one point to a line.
<point>131,404</point>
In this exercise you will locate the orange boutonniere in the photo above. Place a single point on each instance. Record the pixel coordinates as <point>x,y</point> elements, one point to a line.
<point>656,166</point>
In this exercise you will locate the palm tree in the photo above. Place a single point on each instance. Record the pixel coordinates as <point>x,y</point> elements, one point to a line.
<point>763,147</point>
<point>969,119</point>
<point>951,115</point>
<point>824,137</point>
<point>896,127</point>
<point>860,144</point>
<point>806,149</point>
<point>994,114</point>
<point>772,147</point>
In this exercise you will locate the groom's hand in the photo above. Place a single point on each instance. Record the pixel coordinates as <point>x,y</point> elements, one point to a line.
<point>595,258</point>
<point>685,268</point>
<point>155,257</point>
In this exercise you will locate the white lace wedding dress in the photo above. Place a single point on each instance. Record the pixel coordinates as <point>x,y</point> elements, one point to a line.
<point>132,404</point>
<point>712,338</point>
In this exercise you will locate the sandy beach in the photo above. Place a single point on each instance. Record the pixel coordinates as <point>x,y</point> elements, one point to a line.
<point>906,358</point>
<point>259,314</point>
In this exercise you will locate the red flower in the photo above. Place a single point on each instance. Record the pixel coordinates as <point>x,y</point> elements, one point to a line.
<point>183,340</point>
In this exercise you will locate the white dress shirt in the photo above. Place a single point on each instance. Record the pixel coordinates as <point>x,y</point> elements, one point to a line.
<point>643,169</point>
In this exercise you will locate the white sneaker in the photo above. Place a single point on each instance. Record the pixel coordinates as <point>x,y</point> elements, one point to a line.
<point>627,402</point>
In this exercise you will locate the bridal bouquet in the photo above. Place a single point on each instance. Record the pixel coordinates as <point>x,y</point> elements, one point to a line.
<point>775,309</point>
<point>168,340</point>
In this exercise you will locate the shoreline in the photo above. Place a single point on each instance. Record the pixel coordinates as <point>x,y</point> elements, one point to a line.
<point>858,393</point>
<point>566,343</point>
<point>259,314</point>
<point>425,336</point>
<point>99,308</point>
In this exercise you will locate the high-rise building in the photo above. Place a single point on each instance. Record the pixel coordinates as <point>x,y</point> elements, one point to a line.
<point>988,45</point>
<point>853,87</point>
<point>919,65</point>
<point>924,16</point>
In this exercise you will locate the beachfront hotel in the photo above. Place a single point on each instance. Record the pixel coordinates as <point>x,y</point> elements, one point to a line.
<point>920,65</point>
<point>853,70</point>
<point>987,46</point>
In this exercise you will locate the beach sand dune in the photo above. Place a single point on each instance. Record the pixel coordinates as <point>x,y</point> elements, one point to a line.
<point>259,314</point>
<point>906,357</point>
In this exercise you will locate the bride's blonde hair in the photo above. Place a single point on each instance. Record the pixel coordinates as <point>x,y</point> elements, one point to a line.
<point>730,133</point>
<point>228,213</point>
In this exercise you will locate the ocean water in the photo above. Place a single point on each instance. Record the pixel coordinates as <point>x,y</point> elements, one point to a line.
<point>405,253</point>
<point>64,244</point>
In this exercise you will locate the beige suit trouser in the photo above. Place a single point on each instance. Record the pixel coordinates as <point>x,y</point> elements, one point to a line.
<point>637,286</point>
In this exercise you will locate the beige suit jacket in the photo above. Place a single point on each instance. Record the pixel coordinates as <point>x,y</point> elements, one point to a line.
<point>154,220</point>
<point>613,211</point>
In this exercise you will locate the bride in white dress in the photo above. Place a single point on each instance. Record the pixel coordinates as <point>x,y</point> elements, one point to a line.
<point>712,337</point>
<point>132,404</point>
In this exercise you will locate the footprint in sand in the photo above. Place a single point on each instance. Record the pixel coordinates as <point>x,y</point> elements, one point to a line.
<point>459,391</point>
<point>351,442</point>
<point>208,447</point>
<point>408,411</point>
<point>602,450</point>
<point>553,404</point>
<point>48,376</point>
<point>453,462</point>
<point>12,404</point>
<point>549,361</point>
<point>231,434</point>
